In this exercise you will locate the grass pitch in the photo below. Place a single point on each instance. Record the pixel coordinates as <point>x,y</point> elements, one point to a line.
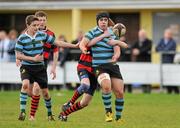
<point>140,111</point>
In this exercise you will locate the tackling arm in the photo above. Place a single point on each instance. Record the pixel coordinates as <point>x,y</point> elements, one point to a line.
<point>54,64</point>
<point>118,42</point>
<point>66,45</point>
<point>83,45</point>
<point>21,56</point>
<point>97,39</point>
<point>117,53</point>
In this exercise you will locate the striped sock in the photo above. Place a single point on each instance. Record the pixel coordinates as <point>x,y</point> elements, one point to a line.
<point>73,108</point>
<point>119,103</point>
<point>75,97</point>
<point>48,106</point>
<point>23,100</point>
<point>107,102</point>
<point>34,104</point>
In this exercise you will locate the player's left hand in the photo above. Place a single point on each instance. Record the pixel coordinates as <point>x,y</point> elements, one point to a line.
<point>53,73</point>
<point>77,45</point>
<point>115,58</point>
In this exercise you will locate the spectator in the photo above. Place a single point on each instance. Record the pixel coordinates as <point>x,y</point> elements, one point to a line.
<point>12,42</point>
<point>141,53</point>
<point>142,48</point>
<point>4,43</point>
<point>167,44</point>
<point>63,52</point>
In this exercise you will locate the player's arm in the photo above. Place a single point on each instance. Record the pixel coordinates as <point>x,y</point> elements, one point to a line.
<point>55,60</point>
<point>83,45</point>
<point>110,23</point>
<point>118,42</point>
<point>66,45</point>
<point>97,39</point>
<point>21,56</point>
<point>117,53</point>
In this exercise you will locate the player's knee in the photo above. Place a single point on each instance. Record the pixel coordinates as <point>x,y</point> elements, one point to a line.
<point>105,83</point>
<point>84,104</point>
<point>106,89</point>
<point>119,93</point>
<point>103,78</point>
<point>25,86</point>
<point>36,90</point>
<point>83,88</point>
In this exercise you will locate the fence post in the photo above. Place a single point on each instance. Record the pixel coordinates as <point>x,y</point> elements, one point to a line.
<point>161,72</point>
<point>64,76</point>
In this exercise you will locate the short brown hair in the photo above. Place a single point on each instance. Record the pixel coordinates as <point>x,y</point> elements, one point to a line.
<point>40,14</point>
<point>30,19</point>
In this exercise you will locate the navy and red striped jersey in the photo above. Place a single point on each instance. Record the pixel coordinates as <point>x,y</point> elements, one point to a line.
<point>85,62</point>
<point>48,47</point>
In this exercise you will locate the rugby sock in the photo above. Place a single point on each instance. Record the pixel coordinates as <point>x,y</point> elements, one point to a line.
<point>119,103</point>
<point>34,104</point>
<point>48,106</point>
<point>107,102</point>
<point>23,100</point>
<point>73,108</point>
<point>75,97</point>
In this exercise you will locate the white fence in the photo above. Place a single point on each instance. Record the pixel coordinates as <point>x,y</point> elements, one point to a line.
<point>145,73</point>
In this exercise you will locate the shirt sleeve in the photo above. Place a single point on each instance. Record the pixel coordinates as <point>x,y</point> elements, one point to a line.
<point>19,46</point>
<point>89,35</point>
<point>113,36</point>
<point>49,38</point>
<point>55,48</point>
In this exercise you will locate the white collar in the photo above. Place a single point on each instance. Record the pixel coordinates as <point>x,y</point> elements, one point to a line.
<point>30,35</point>
<point>99,29</point>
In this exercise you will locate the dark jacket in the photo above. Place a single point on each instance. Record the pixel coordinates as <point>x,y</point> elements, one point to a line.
<point>169,47</point>
<point>145,50</point>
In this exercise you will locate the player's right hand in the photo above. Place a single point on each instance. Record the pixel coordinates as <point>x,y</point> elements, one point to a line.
<point>18,62</point>
<point>85,51</point>
<point>77,45</point>
<point>38,58</point>
<point>106,34</point>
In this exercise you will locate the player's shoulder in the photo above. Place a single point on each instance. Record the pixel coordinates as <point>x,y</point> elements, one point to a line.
<point>22,37</point>
<point>49,32</point>
<point>93,30</point>
<point>110,30</point>
<point>41,33</point>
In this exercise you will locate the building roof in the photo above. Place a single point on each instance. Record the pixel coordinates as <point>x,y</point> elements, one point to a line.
<point>88,4</point>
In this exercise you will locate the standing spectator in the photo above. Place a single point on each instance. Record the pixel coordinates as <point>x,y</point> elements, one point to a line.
<point>4,43</point>
<point>12,42</point>
<point>168,44</point>
<point>141,53</point>
<point>142,48</point>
